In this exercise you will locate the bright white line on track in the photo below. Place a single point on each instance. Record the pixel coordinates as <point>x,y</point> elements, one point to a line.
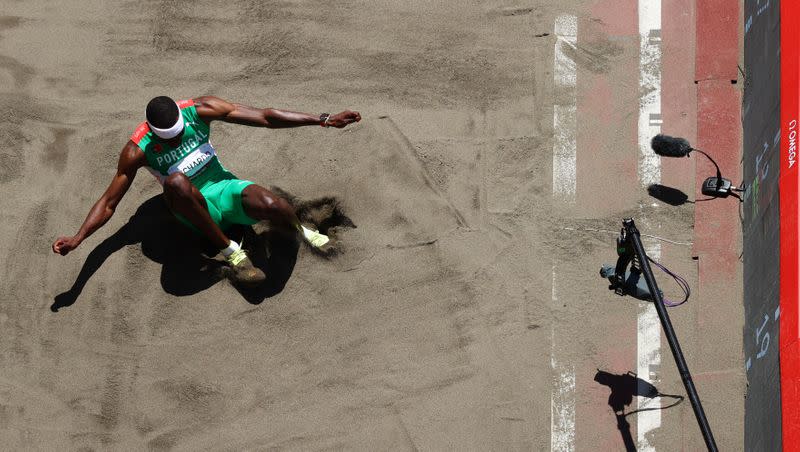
<point>648,337</point>
<point>648,341</point>
<point>564,109</point>
<point>562,402</point>
<point>562,399</point>
<point>649,84</point>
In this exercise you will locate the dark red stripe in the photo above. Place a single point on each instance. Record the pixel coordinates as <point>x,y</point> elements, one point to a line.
<point>717,227</point>
<point>717,53</point>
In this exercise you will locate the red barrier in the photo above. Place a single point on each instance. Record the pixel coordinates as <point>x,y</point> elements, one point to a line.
<point>789,326</point>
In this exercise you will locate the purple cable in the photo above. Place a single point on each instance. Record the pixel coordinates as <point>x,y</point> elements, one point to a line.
<point>679,280</point>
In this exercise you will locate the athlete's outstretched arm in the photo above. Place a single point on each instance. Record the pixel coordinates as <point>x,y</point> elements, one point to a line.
<point>211,108</point>
<point>130,160</point>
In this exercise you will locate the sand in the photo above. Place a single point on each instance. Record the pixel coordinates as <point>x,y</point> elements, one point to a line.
<point>430,327</point>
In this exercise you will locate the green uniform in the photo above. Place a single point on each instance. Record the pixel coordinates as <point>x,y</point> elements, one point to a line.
<point>196,158</point>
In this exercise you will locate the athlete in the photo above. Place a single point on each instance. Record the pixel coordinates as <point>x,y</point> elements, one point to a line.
<point>173,144</point>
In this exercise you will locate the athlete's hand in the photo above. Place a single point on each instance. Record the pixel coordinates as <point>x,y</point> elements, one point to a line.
<point>340,120</point>
<point>64,245</point>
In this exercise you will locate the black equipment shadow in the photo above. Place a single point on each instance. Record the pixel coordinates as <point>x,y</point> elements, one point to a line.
<point>623,388</point>
<point>186,266</point>
<point>668,195</point>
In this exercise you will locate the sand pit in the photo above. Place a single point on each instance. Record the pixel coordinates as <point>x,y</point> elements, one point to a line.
<point>386,319</point>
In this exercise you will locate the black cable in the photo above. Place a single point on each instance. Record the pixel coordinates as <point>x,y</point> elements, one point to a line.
<point>679,399</point>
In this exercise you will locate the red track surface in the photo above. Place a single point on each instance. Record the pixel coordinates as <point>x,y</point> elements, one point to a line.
<point>717,225</point>
<point>717,40</point>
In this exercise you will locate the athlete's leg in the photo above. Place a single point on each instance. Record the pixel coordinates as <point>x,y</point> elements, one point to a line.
<point>185,199</point>
<point>261,204</point>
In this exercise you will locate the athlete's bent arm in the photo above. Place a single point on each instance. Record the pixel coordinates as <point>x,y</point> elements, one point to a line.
<point>211,108</point>
<point>130,160</point>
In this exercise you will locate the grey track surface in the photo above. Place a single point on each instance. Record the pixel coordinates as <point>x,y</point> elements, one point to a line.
<point>433,327</point>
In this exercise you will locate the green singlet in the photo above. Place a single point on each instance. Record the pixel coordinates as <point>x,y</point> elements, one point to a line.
<point>195,157</point>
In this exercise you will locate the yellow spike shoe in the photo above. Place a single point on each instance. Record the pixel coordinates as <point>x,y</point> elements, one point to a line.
<point>243,271</point>
<point>314,238</point>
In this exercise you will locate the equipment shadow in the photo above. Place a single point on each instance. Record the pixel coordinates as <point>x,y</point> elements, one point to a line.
<point>187,260</point>
<point>668,195</point>
<point>623,388</point>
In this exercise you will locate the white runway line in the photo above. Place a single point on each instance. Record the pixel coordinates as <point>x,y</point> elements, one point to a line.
<point>648,337</point>
<point>649,84</point>
<point>648,341</point>
<point>562,400</point>
<point>564,109</point>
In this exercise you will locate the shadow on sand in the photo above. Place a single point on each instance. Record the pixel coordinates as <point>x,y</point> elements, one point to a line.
<point>188,261</point>
<point>623,388</point>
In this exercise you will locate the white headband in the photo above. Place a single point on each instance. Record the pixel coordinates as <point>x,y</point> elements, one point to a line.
<point>172,132</point>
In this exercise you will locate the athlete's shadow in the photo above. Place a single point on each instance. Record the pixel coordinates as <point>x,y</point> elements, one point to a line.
<point>186,266</point>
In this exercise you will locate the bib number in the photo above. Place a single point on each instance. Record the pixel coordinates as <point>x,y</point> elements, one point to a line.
<point>195,161</point>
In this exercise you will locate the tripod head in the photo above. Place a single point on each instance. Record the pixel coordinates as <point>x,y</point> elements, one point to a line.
<point>624,280</point>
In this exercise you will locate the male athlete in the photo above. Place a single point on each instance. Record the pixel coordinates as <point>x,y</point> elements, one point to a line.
<point>173,144</point>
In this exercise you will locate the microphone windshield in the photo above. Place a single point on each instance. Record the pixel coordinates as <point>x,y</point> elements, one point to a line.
<point>667,146</point>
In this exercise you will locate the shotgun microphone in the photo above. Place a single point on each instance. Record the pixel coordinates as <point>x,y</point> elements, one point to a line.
<point>667,146</point>
<point>717,187</point>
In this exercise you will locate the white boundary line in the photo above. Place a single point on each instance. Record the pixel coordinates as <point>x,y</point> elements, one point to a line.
<point>564,110</point>
<point>648,363</point>
<point>562,402</point>
<point>648,336</point>
<point>650,85</point>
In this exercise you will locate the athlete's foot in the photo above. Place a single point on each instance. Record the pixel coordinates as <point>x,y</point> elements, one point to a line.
<point>314,238</point>
<point>243,271</point>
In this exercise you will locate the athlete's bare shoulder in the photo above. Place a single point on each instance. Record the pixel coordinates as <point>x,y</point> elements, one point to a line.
<point>131,158</point>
